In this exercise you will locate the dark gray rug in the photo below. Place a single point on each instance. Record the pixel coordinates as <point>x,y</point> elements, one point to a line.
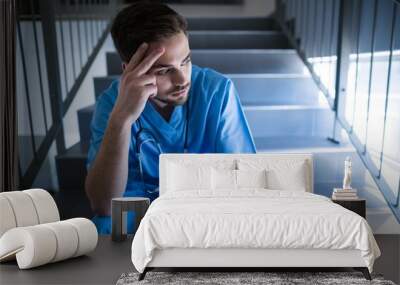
<point>229,278</point>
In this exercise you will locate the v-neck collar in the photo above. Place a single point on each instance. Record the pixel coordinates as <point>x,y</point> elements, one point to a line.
<point>152,115</point>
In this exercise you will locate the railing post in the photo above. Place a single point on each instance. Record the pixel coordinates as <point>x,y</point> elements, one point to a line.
<point>344,44</point>
<point>8,100</point>
<point>47,13</point>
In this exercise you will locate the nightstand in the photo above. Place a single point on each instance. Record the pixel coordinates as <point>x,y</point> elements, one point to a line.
<point>121,205</point>
<point>358,206</point>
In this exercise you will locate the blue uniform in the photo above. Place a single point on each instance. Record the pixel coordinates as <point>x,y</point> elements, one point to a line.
<point>216,124</point>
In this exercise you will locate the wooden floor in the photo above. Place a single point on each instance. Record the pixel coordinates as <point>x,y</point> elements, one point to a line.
<point>110,260</point>
<point>389,262</point>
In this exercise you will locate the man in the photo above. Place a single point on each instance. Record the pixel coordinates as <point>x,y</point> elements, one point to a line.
<point>161,103</point>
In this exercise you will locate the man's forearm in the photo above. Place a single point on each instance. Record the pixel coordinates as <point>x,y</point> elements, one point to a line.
<point>108,176</point>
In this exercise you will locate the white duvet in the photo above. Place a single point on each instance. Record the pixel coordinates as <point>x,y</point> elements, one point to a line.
<point>251,218</point>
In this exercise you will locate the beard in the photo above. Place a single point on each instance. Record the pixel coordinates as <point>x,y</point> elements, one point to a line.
<point>173,99</point>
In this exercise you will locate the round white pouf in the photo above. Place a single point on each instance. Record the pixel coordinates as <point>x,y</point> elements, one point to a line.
<point>33,246</point>
<point>23,208</point>
<point>87,233</point>
<point>67,240</point>
<point>7,218</point>
<point>40,244</point>
<point>45,205</point>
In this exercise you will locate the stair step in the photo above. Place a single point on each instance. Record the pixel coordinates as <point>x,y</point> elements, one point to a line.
<point>285,119</point>
<point>240,23</point>
<point>204,2</point>
<point>102,83</point>
<point>270,121</point>
<point>300,144</point>
<point>84,120</point>
<point>257,89</point>
<point>73,204</point>
<point>275,89</point>
<point>237,40</point>
<point>299,120</point>
<point>257,92</point>
<point>71,199</point>
<point>113,62</point>
<point>250,61</point>
<point>71,168</point>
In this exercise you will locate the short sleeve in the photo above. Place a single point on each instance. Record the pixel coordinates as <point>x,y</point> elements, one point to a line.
<point>233,133</point>
<point>103,108</point>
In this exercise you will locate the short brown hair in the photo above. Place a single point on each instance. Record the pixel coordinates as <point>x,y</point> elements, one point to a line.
<point>144,21</point>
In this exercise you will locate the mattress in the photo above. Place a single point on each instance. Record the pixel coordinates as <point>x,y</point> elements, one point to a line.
<point>250,219</point>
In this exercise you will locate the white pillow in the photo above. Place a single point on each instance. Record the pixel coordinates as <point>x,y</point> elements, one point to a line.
<point>223,179</point>
<point>203,160</point>
<point>251,178</point>
<point>227,179</point>
<point>282,174</point>
<point>293,179</point>
<point>181,177</point>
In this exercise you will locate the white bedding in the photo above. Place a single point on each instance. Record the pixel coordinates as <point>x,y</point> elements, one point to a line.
<point>250,218</point>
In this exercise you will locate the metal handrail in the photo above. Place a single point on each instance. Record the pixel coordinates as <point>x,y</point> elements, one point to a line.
<point>49,12</point>
<point>342,54</point>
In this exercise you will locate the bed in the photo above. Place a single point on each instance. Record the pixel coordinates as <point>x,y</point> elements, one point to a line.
<point>245,211</point>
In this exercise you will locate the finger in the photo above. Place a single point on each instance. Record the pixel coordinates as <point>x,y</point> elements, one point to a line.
<point>150,90</point>
<point>143,91</point>
<point>137,57</point>
<point>146,79</point>
<point>148,62</point>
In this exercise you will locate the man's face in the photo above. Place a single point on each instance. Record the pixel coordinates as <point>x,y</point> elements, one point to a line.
<point>173,70</point>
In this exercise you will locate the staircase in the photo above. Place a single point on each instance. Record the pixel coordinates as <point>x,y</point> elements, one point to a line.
<point>283,106</point>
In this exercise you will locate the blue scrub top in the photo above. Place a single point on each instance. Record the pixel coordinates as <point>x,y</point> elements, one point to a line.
<point>216,125</point>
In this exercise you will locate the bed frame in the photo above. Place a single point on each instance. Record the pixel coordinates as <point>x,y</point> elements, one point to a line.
<point>240,259</point>
<point>245,259</point>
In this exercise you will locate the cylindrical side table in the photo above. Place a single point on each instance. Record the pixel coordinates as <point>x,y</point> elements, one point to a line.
<point>119,207</point>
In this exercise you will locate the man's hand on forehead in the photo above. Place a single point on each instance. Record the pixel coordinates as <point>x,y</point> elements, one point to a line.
<point>136,84</point>
<point>143,59</point>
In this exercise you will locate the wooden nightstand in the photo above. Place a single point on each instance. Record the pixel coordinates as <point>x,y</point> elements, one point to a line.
<point>357,206</point>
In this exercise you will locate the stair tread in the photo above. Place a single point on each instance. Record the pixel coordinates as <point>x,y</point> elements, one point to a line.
<point>272,75</point>
<point>77,150</point>
<point>248,51</point>
<point>262,143</point>
<point>287,107</point>
<point>89,108</point>
<point>299,143</point>
<point>230,61</point>
<point>229,23</point>
<point>258,76</point>
<point>238,40</point>
<point>239,51</point>
<point>236,32</point>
